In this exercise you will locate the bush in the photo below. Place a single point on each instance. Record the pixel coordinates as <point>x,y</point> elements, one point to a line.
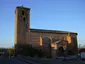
<point>28,50</point>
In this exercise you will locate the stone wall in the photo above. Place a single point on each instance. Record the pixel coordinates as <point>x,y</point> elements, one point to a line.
<point>22,24</point>
<point>35,39</point>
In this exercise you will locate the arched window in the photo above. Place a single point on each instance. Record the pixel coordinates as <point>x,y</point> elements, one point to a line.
<point>24,19</point>
<point>22,12</point>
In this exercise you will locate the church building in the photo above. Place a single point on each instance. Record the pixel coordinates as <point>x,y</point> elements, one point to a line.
<point>51,41</point>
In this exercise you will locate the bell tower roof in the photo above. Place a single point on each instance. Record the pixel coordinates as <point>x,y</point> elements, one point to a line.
<point>23,7</point>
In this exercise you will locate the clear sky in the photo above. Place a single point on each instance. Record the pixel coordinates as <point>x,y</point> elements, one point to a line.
<point>67,15</point>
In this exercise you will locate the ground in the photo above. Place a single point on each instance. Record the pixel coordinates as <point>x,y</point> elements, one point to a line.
<point>54,61</point>
<point>23,60</point>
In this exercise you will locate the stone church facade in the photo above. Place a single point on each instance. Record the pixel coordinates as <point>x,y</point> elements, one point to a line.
<point>40,37</point>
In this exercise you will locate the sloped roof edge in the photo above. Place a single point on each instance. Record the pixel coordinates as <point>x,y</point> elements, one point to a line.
<point>50,31</point>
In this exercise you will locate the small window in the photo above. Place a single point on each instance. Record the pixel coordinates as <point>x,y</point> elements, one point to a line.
<point>24,19</point>
<point>22,12</point>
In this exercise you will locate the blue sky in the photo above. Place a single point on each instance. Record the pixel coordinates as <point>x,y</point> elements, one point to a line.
<point>67,15</point>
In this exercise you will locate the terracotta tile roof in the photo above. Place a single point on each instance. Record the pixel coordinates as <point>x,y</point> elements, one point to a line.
<point>50,31</point>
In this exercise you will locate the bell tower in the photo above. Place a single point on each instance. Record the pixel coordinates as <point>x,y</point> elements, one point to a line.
<point>22,24</point>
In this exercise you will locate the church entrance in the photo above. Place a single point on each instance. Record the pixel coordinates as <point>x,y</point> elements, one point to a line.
<point>60,51</point>
<point>61,48</point>
<point>46,46</point>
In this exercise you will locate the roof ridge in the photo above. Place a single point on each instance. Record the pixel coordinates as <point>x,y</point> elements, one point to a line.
<point>34,29</point>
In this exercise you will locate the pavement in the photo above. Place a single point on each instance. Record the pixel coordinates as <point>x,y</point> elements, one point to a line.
<point>11,60</point>
<point>27,60</point>
<point>15,60</point>
<point>55,61</point>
